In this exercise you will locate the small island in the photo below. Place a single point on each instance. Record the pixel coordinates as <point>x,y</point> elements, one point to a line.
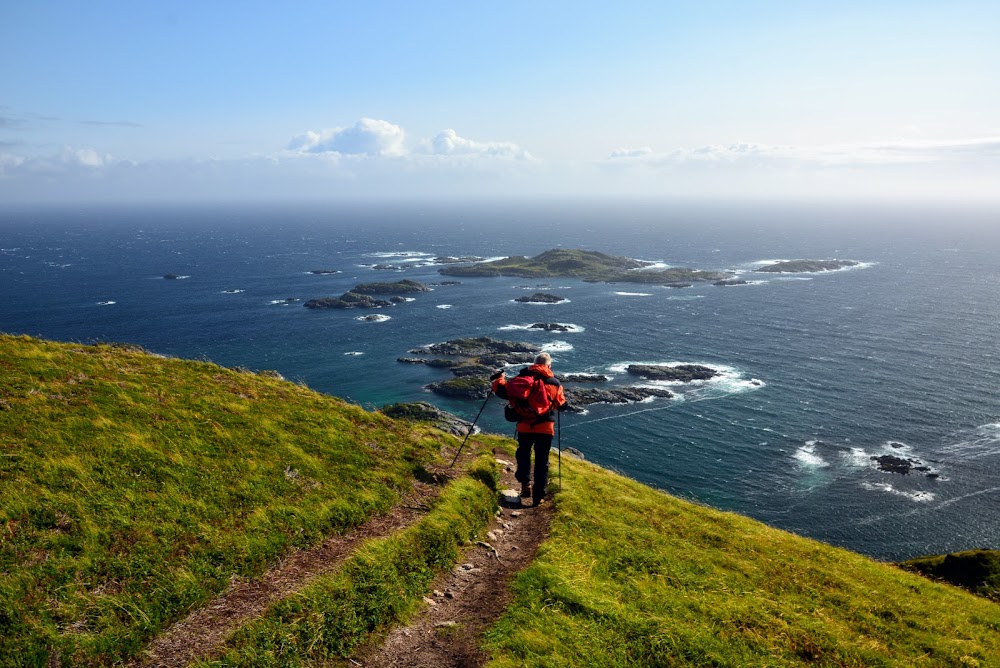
<point>360,296</point>
<point>584,265</point>
<point>541,298</point>
<point>807,266</point>
<point>324,272</point>
<point>551,327</point>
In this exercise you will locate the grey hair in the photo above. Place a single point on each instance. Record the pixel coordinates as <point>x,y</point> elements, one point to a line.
<point>543,358</point>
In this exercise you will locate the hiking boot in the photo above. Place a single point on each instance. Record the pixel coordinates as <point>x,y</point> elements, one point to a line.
<point>538,502</point>
<point>526,491</point>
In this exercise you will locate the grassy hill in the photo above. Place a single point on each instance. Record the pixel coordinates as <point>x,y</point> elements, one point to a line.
<point>134,488</point>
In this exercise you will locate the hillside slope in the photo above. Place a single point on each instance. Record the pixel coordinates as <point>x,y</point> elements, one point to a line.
<point>635,577</point>
<point>134,488</point>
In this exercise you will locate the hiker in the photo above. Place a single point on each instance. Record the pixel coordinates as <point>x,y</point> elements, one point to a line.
<point>534,414</point>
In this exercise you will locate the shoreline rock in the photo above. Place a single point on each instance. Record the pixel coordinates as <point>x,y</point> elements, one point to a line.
<point>422,411</point>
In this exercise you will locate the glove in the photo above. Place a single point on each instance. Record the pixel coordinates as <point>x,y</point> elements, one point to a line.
<point>497,375</point>
<point>566,407</point>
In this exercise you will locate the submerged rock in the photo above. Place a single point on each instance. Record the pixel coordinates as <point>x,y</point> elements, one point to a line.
<point>731,281</point>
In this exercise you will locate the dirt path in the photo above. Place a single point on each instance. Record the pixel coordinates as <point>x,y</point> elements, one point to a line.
<point>201,634</point>
<point>470,598</point>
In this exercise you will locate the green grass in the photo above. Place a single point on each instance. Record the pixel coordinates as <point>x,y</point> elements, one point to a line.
<point>634,577</point>
<point>133,487</point>
<point>379,585</point>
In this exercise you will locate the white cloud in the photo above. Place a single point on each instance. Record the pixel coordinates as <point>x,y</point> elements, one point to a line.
<point>640,152</point>
<point>886,153</point>
<point>366,137</point>
<point>447,142</point>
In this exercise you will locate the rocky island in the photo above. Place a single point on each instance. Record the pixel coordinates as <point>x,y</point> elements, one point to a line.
<point>584,265</point>
<point>541,298</point>
<point>324,272</point>
<point>360,296</point>
<point>807,266</point>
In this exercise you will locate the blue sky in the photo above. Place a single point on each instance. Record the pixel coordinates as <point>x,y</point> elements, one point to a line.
<point>315,100</point>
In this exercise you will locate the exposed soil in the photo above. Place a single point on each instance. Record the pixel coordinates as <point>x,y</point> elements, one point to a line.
<point>202,633</point>
<point>448,632</point>
<point>470,598</point>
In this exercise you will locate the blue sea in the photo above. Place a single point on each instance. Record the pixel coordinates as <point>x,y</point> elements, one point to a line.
<point>819,372</point>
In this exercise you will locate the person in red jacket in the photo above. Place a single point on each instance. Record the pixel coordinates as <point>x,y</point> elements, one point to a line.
<point>535,433</point>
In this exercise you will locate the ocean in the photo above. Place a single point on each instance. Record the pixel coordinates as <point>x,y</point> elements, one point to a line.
<point>819,372</point>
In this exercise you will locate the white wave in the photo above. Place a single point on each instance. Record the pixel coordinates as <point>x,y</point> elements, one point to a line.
<point>857,458</point>
<point>232,292</point>
<point>983,441</point>
<point>807,456</point>
<point>354,352</point>
<point>107,303</point>
<point>557,347</point>
<point>373,318</point>
<point>633,294</point>
<point>443,306</point>
<point>919,497</point>
<point>685,298</point>
<point>728,379</point>
<point>571,328</point>
<point>655,265</point>
<point>409,299</point>
<point>401,254</point>
<point>781,277</point>
<point>491,259</point>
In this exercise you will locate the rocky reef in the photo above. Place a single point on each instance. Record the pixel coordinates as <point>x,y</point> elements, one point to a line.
<point>580,396</point>
<point>551,327</point>
<point>324,272</point>
<point>404,287</point>
<point>902,466</point>
<point>680,372</point>
<point>807,266</point>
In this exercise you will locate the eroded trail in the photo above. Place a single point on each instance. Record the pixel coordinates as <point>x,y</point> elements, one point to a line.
<point>202,633</point>
<point>470,598</point>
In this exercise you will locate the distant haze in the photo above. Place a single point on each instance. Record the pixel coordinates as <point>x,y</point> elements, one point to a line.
<point>311,100</point>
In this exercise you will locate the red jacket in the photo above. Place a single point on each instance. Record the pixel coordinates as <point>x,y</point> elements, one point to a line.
<point>554,391</point>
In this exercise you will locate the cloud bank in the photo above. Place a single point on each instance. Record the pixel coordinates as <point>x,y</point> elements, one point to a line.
<point>376,158</point>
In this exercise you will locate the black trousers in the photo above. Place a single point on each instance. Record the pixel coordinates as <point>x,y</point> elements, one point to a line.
<point>540,444</point>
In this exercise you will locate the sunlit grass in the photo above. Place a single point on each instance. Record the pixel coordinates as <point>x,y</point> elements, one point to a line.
<point>634,577</point>
<point>134,487</point>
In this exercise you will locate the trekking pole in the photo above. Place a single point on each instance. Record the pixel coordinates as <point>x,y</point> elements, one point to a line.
<point>559,444</point>
<point>469,433</point>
